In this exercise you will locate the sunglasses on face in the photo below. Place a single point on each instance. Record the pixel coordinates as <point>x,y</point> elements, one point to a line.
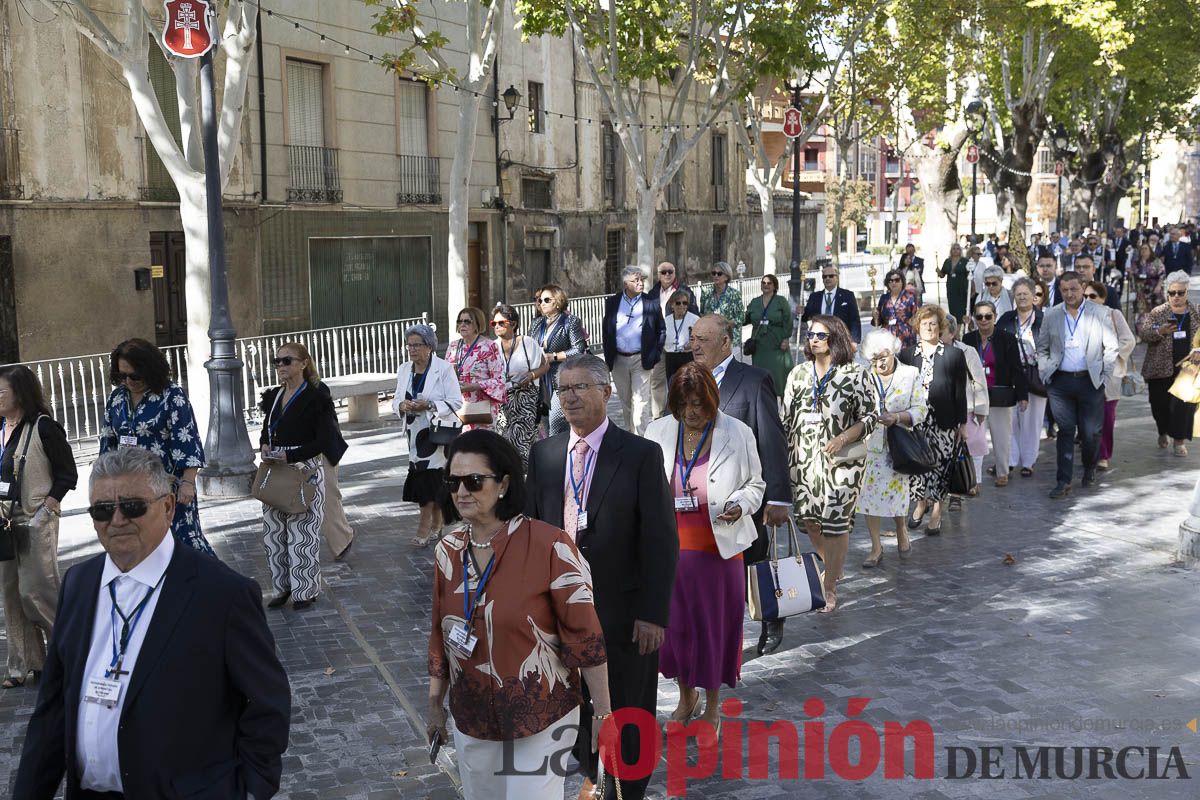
<point>545,299</point>
<point>717,272</point>
<point>666,272</point>
<point>991,283</point>
<point>820,336</point>
<point>462,322</point>
<point>132,508</point>
<point>473,482</point>
<point>500,323</point>
<point>983,317</point>
<point>284,361</point>
<point>1176,293</point>
<point>1091,296</point>
<point>895,280</point>
<point>680,303</point>
<point>829,277</point>
<point>131,376</point>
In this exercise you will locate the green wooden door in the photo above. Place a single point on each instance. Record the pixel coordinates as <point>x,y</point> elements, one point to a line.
<point>369,279</point>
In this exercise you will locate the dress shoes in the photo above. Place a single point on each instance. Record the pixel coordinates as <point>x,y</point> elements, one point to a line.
<point>279,600</point>
<point>1089,479</point>
<point>771,637</point>
<point>300,605</point>
<point>1060,491</point>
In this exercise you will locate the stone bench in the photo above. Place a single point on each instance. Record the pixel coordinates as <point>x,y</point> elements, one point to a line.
<point>362,390</point>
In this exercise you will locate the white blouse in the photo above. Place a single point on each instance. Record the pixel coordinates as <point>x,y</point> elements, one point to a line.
<point>679,332</point>
<point>901,391</point>
<point>526,357</point>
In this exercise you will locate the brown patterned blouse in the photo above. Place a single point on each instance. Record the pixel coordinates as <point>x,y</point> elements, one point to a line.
<point>536,626</point>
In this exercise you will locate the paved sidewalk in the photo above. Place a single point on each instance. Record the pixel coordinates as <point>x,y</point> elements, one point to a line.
<point>1090,632</point>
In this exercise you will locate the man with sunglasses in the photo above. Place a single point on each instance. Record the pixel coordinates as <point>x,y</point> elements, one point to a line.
<point>606,488</point>
<point>161,679</point>
<point>669,282</point>
<point>634,332</point>
<point>1077,352</point>
<point>835,302</point>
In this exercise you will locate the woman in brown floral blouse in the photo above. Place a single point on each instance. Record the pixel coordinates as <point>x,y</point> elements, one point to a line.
<point>510,651</point>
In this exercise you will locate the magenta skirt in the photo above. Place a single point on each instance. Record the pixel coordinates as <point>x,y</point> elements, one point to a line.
<point>703,643</point>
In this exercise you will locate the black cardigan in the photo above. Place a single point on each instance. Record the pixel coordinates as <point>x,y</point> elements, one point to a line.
<point>307,429</point>
<point>1009,370</point>
<point>948,390</point>
<point>1009,320</point>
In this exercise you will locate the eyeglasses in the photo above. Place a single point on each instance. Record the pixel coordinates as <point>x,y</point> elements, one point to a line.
<point>473,482</point>
<point>1039,294</point>
<point>577,388</point>
<point>285,361</point>
<point>984,317</point>
<point>462,322</point>
<point>416,346</point>
<point>131,376</point>
<point>820,336</point>
<point>545,299</point>
<point>828,277</point>
<point>895,280</point>
<point>666,272</point>
<point>991,283</point>
<point>680,303</point>
<point>500,323</point>
<point>717,272</point>
<point>131,508</point>
<point>1091,296</point>
<point>1176,293</point>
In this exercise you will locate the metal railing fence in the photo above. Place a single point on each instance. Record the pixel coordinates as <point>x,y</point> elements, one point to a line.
<point>77,388</point>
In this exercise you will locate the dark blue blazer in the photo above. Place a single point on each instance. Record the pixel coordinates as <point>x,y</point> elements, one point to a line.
<point>654,330</point>
<point>207,707</point>
<point>1181,260</point>
<point>845,308</point>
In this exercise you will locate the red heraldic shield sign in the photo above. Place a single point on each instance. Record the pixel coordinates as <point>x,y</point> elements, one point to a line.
<point>186,32</point>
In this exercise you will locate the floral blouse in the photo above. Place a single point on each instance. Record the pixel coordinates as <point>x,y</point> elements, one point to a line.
<point>163,424</point>
<point>903,390</point>
<point>536,627</point>
<point>479,362</point>
<point>728,304</point>
<point>895,313</point>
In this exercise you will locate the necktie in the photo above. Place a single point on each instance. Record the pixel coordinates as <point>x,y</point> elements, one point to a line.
<point>1175,249</point>
<point>578,470</point>
<point>718,373</point>
<point>828,303</point>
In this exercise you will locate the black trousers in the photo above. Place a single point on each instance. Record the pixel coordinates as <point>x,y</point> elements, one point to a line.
<point>1172,416</point>
<point>632,683</point>
<point>1077,404</point>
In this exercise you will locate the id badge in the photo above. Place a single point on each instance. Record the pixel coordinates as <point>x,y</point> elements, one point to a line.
<point>462,640</point>
<point>103,692</point>
<point>764,322</point>
<point>810,418</point>
<point>987,370</point>
<point>5,487</point>
<point>1072,343</point>
<point>127,441</point>
<point>892,322</point>
<point>687,503</point>
<point>1181,334</point>
<point>581,521</point>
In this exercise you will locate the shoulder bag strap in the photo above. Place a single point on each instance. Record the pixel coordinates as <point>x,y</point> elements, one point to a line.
<point>19,466</point>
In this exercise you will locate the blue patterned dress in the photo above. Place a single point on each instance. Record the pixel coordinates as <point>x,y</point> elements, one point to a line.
<point>165,425</point>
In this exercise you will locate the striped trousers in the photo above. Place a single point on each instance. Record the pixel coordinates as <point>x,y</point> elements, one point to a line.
<point>293,542</point>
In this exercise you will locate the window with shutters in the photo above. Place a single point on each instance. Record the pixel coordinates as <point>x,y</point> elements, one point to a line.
<point>612,166</point>
<point>419,175</point>
<point>675,187</point>
<point>719,187</point>
<point>718,243</point>
<point>156,181</point>
<point>537,108</point>
<point>614,257</point>
<point>313,166</point>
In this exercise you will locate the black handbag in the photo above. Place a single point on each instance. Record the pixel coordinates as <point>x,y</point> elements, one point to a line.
<point>962,470</point>
<point>1034,379</point>
<point>1002,396</point>
<point>442,434</point>
<point>910,451</point>
<point>749,346</point>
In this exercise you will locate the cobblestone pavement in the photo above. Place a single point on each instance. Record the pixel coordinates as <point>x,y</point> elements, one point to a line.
<point>1091,634</point>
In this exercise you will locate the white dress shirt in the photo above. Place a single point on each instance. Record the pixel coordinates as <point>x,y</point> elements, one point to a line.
<point>718,376</point>
<point>96,738</point>
<point>629,324</point>
<point>1074,358</point>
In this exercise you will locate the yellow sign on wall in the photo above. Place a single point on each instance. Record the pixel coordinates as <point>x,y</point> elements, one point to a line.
<point>156,271</point>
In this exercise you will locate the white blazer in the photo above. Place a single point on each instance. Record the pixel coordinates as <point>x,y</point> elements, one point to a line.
<point>977,394</point>
<point>734,475</point>
<point>441,388</point>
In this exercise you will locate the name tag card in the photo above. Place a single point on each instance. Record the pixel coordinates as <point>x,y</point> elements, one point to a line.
<point>581,521</point>
<point>128,441</point>
<point>103,692</point>
<point>1072,343</point>
<point>764,322</point>
<point>462,640</point>
<point>810,418</point>
<point>892,322</point>
<point>1181,334</point>
<point>5,488</point>
<point>987,370</point>
<point>687,503</point>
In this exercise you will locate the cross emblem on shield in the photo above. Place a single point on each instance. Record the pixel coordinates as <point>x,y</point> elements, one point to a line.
<point>186,32</point>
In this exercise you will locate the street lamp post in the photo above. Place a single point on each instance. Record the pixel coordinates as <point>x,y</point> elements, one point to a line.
<point>974,120</point>
<point>795,278</point>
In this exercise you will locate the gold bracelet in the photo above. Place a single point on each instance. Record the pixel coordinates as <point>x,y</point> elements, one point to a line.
<point>601,717</point>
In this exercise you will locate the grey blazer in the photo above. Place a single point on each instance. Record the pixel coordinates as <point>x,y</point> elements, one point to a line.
<point>1100,347</point>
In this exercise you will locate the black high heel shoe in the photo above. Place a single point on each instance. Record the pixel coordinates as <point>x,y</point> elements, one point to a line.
<point>279,601</point>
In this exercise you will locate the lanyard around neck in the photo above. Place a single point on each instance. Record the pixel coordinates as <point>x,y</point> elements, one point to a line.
<point>819,385</point>
<point>687,469</point>
<point>275,420</point>
<point>462,358</point>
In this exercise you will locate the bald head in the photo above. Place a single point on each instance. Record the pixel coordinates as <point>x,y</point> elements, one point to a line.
<point>712,340</point>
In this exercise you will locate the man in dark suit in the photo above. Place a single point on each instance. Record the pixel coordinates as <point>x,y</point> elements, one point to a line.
<point>634,333</point>
<point>748,394</point>
<point>161,679</point>
<point>1122,248</point>
<point>1047,273</point>
<point>606,488</point>
<point>836,302</point>
<point>1177,254</point>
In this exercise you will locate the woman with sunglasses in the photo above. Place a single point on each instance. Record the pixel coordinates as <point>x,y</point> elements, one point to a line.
<point>994,291</point>
<point>1168,331</point>
<point>524,365</point>
<point>37,469</point>
<point>830,406</point>
<point>677,349</point>
<point>427,401</point>
<point>771,319</point>
<point>1025,323</point>
<point>896,308</point>
<point>149,410</point>
<point>943,371</point>
<point>1039,294</point>
<point>1096,292</point>
<point>514,630</point>
<point>299,424</point>
<point>476,361</point>
<point>723,299</point>
<point>560,335</point>
<point>1004,377</point>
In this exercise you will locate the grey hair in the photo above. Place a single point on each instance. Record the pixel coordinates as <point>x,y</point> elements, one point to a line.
<point>951,325</point>
<point>981,302</point>
<point>880,340</point>
<point>425,332</point>
<point>631,270</point>
<point>1178,276</point>
<point>595,367</point>
<point>678,294</point>
<point>722,323</point>
<point>1026,282</point>
<point>131,461</point>
<point>993,272</point>
<point>723,266</point>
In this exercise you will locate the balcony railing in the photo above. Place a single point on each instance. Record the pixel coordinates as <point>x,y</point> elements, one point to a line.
<point>10,165</point>
<point>419,178</point>
<point>314,175</point>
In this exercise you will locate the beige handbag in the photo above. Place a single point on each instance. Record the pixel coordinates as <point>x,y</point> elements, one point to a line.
<point>284,487</point>
<point>478,412</point>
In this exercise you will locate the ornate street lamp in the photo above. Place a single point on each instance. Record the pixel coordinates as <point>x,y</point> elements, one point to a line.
<point>974,123</point>
<point>511,97</point>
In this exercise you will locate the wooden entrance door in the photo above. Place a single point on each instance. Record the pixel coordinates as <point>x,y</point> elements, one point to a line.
<point>168,262</point>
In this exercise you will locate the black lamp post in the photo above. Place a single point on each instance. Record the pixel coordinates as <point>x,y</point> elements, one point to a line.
<point>795,279</point>
<point>974,122</point>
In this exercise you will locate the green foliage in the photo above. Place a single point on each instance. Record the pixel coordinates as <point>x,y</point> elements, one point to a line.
<point>855,198</point>
<point>402,18</point>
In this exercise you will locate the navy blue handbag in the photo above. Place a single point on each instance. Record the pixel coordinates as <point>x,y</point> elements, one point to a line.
<point>782,587</point>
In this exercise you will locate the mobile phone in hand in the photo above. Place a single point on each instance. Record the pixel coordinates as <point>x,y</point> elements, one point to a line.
<point>435,745</point>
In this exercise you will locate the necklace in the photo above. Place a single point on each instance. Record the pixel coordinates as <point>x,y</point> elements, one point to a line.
<point>482,545</point>
<point>691,441</point>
